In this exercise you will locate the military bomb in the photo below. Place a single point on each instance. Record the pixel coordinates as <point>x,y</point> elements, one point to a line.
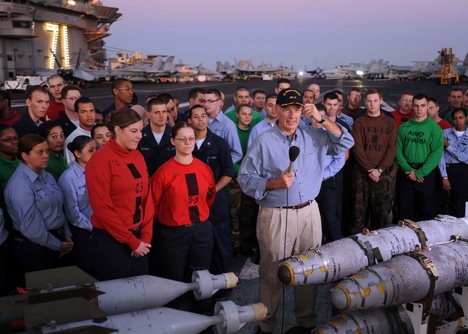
<point>144,292</point>
<point>394,320</point>
<point>341,258</point>
<point>228,318</point>
<point>405,278</point>
<point>113,297</point>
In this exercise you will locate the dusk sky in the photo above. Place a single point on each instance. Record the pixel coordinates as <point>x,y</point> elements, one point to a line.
<point>303,33</point>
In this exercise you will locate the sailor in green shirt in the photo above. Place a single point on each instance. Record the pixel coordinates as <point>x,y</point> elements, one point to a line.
<point>53,132</point>
<point>420,145</point>
<point>242,96</point>
<point>244,126</point>
<point>8,150</point>
<point>8,164</point>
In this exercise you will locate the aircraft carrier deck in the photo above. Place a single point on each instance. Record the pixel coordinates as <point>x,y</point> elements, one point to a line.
<point>247,290</point>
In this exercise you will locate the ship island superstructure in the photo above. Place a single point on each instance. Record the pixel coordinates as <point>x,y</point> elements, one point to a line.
<point>34,32</point>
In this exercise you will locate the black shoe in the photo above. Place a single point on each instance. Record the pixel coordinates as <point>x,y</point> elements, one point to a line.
<point>259,331</point>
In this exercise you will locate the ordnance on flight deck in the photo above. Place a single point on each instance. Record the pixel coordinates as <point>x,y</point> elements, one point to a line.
<point>389,320</point>
<point>405,278</point>
<point>228,318</point>
<point>114,296</point>
<point>341,258</point>
<point>144,292</point>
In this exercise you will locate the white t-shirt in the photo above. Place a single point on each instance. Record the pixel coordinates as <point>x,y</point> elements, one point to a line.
<point>200,142</point>
<point>158,136</point>
<point>77,132</point>
<point>459,133</point>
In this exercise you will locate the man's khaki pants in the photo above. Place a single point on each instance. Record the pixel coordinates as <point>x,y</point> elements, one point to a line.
<point>282,233</point>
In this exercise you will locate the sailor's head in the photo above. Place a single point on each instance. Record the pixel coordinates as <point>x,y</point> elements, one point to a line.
<point>157,112</point>
<point>331,101</point>
<point>241,96</point>
<point>308,96</point>
<point>69,96</point>
<point>459,119</point>
<point>281,84</point>
<point>196,96</point>
<point>122,89</point>
<point>56,83</point>
<point>406,102</point>
<point>315,88</point>
<point>213,102</point>
<point>420,106</point>
<point>432,107</point>
<point>258,99</point>
<point>37,100</point>
<point>455,97</point>
<point>354,97</point>
<point>373,100</point>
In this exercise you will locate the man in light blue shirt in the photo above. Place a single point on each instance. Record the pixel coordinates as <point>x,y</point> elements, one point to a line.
<point>287,198</point>
<point>329,199</point>
<point>268,122</point>
<point>341,117</point>
<point>220,125</point>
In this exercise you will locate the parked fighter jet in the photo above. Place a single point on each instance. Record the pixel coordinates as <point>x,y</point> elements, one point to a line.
<point>138,67</point>
<point>345,71</point>
<point>77,75</point>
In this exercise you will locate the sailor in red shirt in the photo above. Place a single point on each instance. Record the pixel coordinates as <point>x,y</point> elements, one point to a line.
<point>433,111</point>
<point>56,107</point>
<point>404,112</point>
<point>183,191</point>
<point>7,115</point>
<point>118,188</point>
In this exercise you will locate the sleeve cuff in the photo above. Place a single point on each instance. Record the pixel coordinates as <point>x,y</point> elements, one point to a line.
<point>133,243</point>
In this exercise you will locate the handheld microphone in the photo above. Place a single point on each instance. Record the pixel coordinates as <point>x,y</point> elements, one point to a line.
<point>293,153</point>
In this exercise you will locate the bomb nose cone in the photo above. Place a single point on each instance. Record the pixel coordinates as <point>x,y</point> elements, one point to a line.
<point>286,274</point>
<point>339,298</point>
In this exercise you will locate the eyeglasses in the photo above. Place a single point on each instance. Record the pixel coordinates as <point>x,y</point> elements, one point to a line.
<point>211,101</point>
<point>197,117</point>
<point>126,89</point>
<point>10,139</point>
<point>73,98</point>
<point>186,140</point>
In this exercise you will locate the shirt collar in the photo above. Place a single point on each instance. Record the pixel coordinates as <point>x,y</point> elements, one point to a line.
<point>30,174</point>
<point>219,117</point>
<point>284,135</point>
<point>77,168</point>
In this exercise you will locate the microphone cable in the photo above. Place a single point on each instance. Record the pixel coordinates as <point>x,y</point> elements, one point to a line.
<point>284,256</point>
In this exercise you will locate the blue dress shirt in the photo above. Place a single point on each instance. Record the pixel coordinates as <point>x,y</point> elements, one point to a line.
<point>347,119</point>
<point>34,202</point>
<point>258,129</point>
<point>456,152</point>
<point>268,157</point>
<point>76,202</point>
<point>222,126</point>
<point>333,164</point>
